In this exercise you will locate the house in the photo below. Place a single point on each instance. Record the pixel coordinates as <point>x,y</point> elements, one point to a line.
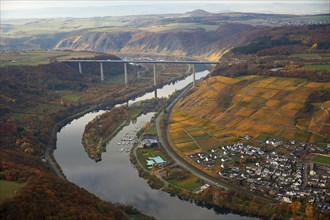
<point>274,143</point>
<point>150,141</point>
<point>155,161</point>
<point>246,137</point>
<point>287,199</point>
<point>204,187</point>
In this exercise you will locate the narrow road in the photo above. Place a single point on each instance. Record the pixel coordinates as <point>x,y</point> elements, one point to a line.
<point>52,140</point>
<point>164,142</point>
<point>49,148</point>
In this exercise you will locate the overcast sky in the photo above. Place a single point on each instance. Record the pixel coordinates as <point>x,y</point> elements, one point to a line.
<point>27,4</point>
<point>50,8</point>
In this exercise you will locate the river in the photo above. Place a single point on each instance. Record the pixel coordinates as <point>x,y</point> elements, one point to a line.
<point>115,179</point>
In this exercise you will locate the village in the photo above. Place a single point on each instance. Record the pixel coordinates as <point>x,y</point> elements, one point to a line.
<point>295,21</point>
<point>275,168</point>
<point>284,176</point>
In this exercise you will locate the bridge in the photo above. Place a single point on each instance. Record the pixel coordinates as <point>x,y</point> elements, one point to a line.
<point>125,62</point>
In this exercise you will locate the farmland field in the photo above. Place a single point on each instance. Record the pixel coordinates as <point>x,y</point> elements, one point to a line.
<point>189,183</point>
<point>174,26</point>
<point>319,67</point>
<point>44,26</point>
<point>259,107</point>
<point>9,188</point>
<point>321,159</point>
<point>35,57</point>
<point>307,56</point>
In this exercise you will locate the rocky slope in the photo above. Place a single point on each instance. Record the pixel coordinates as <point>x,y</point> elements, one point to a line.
<point>187,42</point>
<point>198,42</point>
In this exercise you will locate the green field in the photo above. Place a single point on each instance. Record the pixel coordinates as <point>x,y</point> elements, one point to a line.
<point>152,130</point>
<point>318,17</point>
<point>112,29</point>
<point>306,56</point>
<point>36,57</point>
<point>325,67</point>
<point>191,183</point>
<point>177,26</point>
<point>9,188</point>
<point>26,27</point>
<point>69,96</point>
<point>72,98</point>
<point>321,159</point>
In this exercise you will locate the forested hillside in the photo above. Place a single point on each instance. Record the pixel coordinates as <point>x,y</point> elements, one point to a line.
<point>33,100</point>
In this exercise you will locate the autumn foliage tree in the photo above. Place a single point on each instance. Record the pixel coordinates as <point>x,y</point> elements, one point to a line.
<point>309,211</point>
<point>295,206</point>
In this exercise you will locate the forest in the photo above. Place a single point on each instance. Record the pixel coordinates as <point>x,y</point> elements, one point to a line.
<point>34,99</point>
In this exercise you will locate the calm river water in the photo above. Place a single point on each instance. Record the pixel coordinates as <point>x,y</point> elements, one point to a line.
<point>114,178</point>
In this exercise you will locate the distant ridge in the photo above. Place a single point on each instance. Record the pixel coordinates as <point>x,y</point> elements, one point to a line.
<point>198,13</point>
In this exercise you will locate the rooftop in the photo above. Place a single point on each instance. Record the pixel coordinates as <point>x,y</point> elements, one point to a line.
<point>157,159</point>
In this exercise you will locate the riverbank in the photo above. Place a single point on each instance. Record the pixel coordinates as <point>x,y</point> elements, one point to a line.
<point>100,130</point>
<point>176,181</point>
<point>84,109</point>
<point>195,190</point>
<point>117,179</point>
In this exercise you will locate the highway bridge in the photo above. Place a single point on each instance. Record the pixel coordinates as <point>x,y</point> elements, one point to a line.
<point>125,62</point>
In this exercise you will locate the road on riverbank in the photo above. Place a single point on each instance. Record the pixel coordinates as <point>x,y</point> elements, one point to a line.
<point>52,140</point>
<point>166,142</point>
<point>162,136</point>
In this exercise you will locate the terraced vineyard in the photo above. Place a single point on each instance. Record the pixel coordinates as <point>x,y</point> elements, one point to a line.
<point>220,110</point>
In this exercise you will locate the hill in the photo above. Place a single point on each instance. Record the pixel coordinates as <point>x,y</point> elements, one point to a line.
<point>198,13</point>
<point>184,41</point>
<point>198,33</point>
<point>45,195</point>
<point>221,110</point>
<point>256,98</point>
<point>33,100</point>
<point>256,133</point>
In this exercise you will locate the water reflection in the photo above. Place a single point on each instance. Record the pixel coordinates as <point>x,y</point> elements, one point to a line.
<point>115,178</point>
<point>168,89</point>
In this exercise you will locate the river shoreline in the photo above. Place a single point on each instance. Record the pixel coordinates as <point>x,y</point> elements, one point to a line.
<point>160,184</point>
<point>87,108</point>
<point>115,178</point>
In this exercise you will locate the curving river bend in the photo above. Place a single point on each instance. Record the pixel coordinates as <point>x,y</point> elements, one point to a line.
<point>115,179</point>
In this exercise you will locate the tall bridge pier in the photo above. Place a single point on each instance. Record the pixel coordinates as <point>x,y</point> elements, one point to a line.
<point>192,63</point>
<point>155,82</point>
<point>80,69</point>
<point>194,74</point>
<point>101,70</point>
<point>125,71</point>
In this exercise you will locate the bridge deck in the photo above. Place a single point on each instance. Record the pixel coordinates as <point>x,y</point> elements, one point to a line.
<point>139,61</point>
